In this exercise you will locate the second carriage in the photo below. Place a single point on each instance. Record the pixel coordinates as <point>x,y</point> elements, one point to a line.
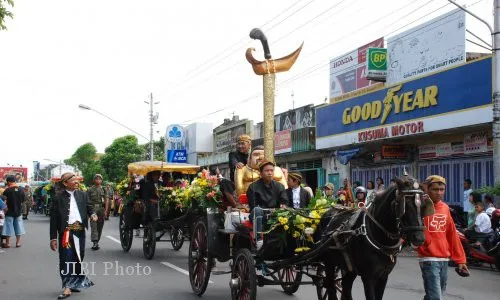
<point>214,237</point>
<point>159,219</point>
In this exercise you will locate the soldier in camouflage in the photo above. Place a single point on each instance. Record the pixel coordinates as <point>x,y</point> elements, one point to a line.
<point>99,199</point>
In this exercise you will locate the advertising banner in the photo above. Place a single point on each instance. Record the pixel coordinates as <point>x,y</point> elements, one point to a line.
<point>443,150</point>
<point>177,156</point>
<point>394,152</point>
<point>439,101</point>
<point>344,156</point>
<point>348,72</point>
<point>175,137</point>
<point>427,151</point>
<point>295,119</point>
<point>282,142</point>
<point>19,173</point>
<point>376,68</point>
<point>226,141</point>
<point>432,46</point>
<point>475,142</point>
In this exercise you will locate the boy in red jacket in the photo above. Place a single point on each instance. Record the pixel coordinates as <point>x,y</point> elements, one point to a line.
<point>441,243</point>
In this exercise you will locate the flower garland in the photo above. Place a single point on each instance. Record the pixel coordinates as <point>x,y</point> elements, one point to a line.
<point>206,191</point>
<point>301,223</point>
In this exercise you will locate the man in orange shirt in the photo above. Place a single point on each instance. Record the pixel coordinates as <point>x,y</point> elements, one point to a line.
<point>441,243</point>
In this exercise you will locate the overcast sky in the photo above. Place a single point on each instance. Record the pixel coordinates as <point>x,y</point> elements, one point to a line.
<point>110,55</point>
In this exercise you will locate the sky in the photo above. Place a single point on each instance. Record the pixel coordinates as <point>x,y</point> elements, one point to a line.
<point>190,55</point>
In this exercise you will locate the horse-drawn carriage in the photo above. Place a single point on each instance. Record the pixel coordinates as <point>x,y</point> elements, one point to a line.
<point>156,220</point>
<point>348,242</point>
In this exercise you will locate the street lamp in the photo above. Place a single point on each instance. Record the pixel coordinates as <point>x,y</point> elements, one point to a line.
<point>85,107</point>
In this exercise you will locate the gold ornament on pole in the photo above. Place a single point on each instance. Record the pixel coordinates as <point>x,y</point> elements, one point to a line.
<point>268,68</point>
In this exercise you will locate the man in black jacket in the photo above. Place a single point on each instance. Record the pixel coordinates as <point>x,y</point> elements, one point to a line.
<point>297,196</point>
<point>265,193</point>
<point>68,220</point>
<point>238,159</point>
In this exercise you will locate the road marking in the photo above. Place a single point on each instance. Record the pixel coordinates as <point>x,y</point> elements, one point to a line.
<point>114,239</point>
<point>167,264</point>
<point>1,251</point>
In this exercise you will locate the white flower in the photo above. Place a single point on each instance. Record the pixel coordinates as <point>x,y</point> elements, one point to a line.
<point>309,230</point>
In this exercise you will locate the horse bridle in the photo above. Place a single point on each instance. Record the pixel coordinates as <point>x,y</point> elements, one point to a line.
<point>399,205</point>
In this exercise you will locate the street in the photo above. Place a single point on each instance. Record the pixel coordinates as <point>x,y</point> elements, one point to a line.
<point>31,272</point>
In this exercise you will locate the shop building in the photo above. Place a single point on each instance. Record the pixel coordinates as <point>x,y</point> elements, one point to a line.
<point>440,123</point>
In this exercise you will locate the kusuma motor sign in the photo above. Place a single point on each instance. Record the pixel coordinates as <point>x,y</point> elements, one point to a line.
<point>443,100</point>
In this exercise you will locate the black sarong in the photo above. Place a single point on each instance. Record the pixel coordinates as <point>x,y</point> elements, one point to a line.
<point>70,268</point>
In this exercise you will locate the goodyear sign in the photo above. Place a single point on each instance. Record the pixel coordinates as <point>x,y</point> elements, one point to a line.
<point>415,104</point>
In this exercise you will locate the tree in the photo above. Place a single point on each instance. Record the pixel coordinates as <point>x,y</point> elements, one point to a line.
<point>85,159</point>
<point>118,155</point>
<point>158,150</point>
<point>4,12</point>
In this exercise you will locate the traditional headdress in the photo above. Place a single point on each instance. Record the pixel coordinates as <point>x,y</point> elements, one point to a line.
<point>264,163</point>
<point>244,138</point>
<point>295,176</point>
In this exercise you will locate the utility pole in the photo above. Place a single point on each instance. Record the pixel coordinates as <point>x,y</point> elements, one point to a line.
<point>153,119</point>
<point>495,41</point>
<point>496,92</point>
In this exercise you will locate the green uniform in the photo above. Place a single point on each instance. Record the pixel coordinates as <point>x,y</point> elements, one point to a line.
<point>98,198</point>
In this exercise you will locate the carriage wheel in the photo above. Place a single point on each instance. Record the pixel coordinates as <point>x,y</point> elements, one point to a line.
<point>199,259</point>
<point>126,234</point>
<point>290,279</point>
<point>243,277</point>
<point>149,241</point>
<point>320,284</point>
<point>176,237</point>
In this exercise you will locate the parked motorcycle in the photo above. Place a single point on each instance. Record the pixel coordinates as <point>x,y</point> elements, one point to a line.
<point>487,253</point>
<point>476,255</point>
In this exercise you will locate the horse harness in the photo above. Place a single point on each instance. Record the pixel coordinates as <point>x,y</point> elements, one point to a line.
<point>391,251</point>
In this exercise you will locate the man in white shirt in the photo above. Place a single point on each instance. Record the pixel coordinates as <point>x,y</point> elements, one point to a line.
<point>468,207</point>
<point>481,229</point>
<point>297,196</point>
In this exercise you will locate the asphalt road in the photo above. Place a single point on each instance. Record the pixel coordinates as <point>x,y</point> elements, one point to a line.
<point>31,272</point>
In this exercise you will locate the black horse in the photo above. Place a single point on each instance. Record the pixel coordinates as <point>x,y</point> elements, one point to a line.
<point>367,241</point>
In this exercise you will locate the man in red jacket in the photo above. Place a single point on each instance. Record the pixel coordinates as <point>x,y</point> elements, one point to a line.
<point>441,243</point>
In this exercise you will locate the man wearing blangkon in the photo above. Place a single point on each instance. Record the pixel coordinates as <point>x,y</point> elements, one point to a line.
<point>441,243</point>
<point>265,193</point>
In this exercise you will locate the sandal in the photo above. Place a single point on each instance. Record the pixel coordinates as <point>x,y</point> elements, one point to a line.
<point>63,296</point>
<point>18,246</point>
<point>5,246</point>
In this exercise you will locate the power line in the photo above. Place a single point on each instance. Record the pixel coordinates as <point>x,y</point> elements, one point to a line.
<point>321,65</point>
<point>310,20</point>
<point>281,38</point>
<point>300,75</point>
<point>217,58</point>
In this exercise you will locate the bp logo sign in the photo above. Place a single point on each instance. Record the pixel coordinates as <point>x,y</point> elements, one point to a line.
<point>376,68</point>
<point>175,134</point>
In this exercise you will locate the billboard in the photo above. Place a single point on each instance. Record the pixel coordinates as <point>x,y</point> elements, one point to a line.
<point>175,137</point>
<point>348,72</point>
<point>20,173</point>
<point>225,141</point>
<point>295,118</point>
<point>439,101</point>
<point>432,46</point>
<point>282,142</point>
